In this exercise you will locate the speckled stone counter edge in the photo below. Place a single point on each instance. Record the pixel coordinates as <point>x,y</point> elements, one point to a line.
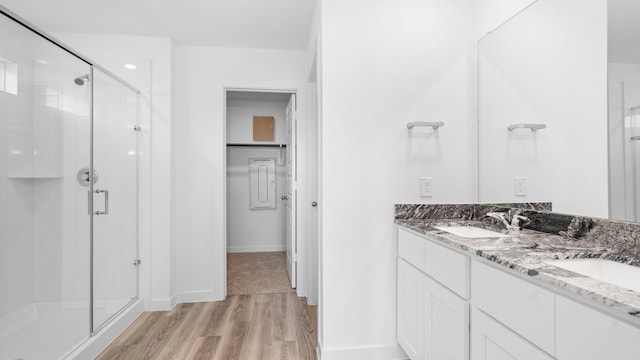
<point>600,232</point>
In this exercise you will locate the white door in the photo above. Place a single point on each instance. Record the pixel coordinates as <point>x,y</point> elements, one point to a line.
<point>291,197</point>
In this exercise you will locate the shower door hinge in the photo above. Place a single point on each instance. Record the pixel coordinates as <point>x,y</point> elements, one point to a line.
<point>136,262</point>
<point>137,128</point>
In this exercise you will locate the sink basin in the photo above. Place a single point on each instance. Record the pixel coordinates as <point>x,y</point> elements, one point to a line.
<point>470,231</point>
<point>623,275</point>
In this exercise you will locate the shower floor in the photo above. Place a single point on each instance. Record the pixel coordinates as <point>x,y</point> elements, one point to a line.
<point>47,331</point>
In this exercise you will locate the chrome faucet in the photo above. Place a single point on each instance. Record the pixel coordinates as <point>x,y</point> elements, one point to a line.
<point>514,226</point>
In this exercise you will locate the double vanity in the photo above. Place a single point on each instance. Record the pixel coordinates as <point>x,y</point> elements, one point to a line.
<point>469,288</point>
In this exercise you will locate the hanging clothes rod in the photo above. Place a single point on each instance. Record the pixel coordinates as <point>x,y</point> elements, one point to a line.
<point>260,145</point>
<point>533,127</point>
<point>434,125</point>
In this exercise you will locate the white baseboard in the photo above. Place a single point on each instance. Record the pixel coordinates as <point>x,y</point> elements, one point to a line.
<point>161,304</point>
<point>97,343</point>
<point>198,296</point>
<point>260,248</point>
<point>382,352</point>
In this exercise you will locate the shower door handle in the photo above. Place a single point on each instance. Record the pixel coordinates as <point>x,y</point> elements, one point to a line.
<point>106,202</point>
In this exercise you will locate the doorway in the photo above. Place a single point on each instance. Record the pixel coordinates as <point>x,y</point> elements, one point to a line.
<point>261,192</point>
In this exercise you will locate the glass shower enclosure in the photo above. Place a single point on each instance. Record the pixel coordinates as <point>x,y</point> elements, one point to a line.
<point>68,195</point>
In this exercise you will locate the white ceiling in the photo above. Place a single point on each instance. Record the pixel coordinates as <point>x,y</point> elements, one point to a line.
<point>267,24</point>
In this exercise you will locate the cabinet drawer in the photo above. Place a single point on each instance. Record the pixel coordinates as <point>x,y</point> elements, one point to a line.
<point>411,248</point>
<point>490,340</point>
<point>448,267</point>
<point>525,308</point>
<point>581,333</point>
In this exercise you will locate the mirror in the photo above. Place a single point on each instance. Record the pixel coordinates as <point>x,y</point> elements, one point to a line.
<point>571,66</point>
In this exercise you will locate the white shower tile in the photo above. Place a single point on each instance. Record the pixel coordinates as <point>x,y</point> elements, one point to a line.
<point>47,157</point>
<point>4,277</point>
<point>47,280</point>
<point>20,196</point>
<point>20,161</point>
<point>47,122</point>
<point>20,277</point>
<point>19,300</point>
<point>20,246</point>
<point>4,182</point>
<point>4,306</point>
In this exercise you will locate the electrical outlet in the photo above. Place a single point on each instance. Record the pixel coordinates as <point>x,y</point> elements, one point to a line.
<point>426,187</point>
<point>520,186</point>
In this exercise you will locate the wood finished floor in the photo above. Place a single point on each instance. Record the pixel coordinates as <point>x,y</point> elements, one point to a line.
<point>257,273</point>
<point>277,325</point>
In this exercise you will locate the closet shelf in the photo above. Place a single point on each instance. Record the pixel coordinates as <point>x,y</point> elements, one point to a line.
<point>259,145</point>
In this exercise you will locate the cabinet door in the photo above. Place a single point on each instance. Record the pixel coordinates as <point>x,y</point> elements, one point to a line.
<point>411,310</point>
<point>490,340</point>
<point>583,333</point>
<point>447,324</point>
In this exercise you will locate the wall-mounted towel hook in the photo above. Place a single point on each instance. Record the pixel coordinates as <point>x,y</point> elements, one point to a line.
<point>434,125</point>
<point>533,127</point>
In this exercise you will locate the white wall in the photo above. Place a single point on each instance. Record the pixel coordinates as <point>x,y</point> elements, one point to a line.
<point>385,64</point>
<point>202,74</point>
<point>252,230</point>
<point>547,65</point>
<point>157,273</point>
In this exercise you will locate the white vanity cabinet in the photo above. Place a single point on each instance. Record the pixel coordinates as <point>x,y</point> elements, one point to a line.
<point>584,333</point>
<point>441,292</point>
<point>433,320</point>
<point>491,340</point>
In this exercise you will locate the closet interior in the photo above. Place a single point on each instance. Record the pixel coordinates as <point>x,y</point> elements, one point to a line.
<point>256,192</point>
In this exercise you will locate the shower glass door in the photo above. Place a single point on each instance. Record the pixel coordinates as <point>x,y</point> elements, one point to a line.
<point>44,227</point>
<point>114,194</point>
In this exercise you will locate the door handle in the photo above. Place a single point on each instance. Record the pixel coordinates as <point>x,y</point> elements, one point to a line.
<point>106,201</point>
<point>284,197</point>
<point>314,203</point>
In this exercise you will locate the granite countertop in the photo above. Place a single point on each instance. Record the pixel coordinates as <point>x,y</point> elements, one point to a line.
<point>526,253</point>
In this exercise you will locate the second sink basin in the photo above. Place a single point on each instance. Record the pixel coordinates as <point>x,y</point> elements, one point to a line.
<point>470,231</point>
<point>623,275</point>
